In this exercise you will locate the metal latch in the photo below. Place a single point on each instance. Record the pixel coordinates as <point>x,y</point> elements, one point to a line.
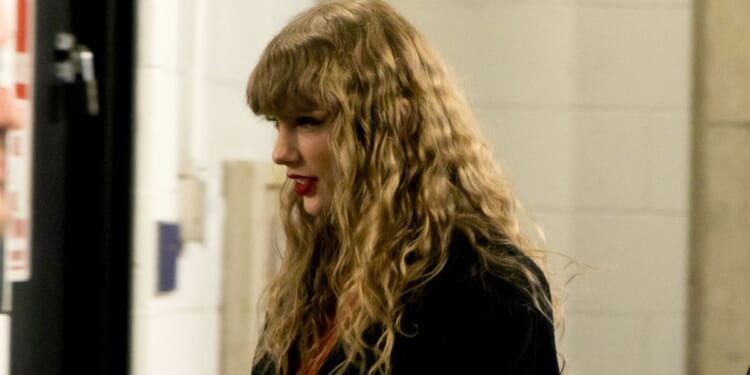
<point>76,60</point>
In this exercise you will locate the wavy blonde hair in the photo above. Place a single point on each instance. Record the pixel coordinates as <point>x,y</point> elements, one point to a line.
<point>411,169</point>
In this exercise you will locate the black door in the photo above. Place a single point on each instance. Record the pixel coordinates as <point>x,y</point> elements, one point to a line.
<point>72,316</point>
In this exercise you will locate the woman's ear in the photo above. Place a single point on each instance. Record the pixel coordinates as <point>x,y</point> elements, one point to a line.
<point>404,108</point>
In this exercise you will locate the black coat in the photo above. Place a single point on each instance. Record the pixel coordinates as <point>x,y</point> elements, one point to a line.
<point>466,322</point>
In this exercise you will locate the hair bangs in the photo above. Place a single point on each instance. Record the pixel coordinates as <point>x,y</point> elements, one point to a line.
<point>292,78</point>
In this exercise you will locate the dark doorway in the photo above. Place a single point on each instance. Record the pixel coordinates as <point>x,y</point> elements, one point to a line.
<point>72,316</point>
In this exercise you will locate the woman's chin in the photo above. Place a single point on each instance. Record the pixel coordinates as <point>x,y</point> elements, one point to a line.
<point>312,206</point>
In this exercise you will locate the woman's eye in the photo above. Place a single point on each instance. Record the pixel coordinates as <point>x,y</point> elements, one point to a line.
<point>308,121</point>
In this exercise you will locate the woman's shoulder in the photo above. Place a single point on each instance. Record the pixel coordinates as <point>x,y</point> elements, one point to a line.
<point>466,275</point>
<point>471,318</point>
<point>469,291</point>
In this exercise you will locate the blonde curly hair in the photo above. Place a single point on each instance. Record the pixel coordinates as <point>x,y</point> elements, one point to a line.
<point>410,170</point>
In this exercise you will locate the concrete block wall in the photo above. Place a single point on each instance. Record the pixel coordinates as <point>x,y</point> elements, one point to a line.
<point>585,102</point>
<point>194,57</point>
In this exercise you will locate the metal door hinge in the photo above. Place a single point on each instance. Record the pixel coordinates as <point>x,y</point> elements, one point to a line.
<point>75,60</point>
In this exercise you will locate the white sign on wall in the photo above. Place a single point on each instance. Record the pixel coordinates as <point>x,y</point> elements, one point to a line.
<point>16,134</point>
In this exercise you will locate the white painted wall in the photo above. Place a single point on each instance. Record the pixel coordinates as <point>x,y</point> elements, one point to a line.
<point>587,105</point>
<point>585,101</point>
<point>194,59</point>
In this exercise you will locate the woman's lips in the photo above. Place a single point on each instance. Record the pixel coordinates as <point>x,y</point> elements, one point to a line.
<point>303,184</point>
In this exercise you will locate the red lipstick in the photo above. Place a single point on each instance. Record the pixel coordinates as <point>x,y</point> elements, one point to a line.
<point>302,184</point>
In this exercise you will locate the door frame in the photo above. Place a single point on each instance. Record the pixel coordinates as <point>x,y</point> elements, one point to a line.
<point>73,315</point>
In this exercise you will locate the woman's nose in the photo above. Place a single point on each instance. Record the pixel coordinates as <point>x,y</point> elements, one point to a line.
<point>285,150</point>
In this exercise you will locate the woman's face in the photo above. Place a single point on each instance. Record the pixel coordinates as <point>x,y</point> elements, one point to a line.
<point>302,146</point>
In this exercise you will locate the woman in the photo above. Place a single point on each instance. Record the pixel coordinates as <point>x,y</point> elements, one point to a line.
<point>403,254</point>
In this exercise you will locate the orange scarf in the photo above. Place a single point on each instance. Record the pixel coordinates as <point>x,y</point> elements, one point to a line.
<point>319,354</point>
